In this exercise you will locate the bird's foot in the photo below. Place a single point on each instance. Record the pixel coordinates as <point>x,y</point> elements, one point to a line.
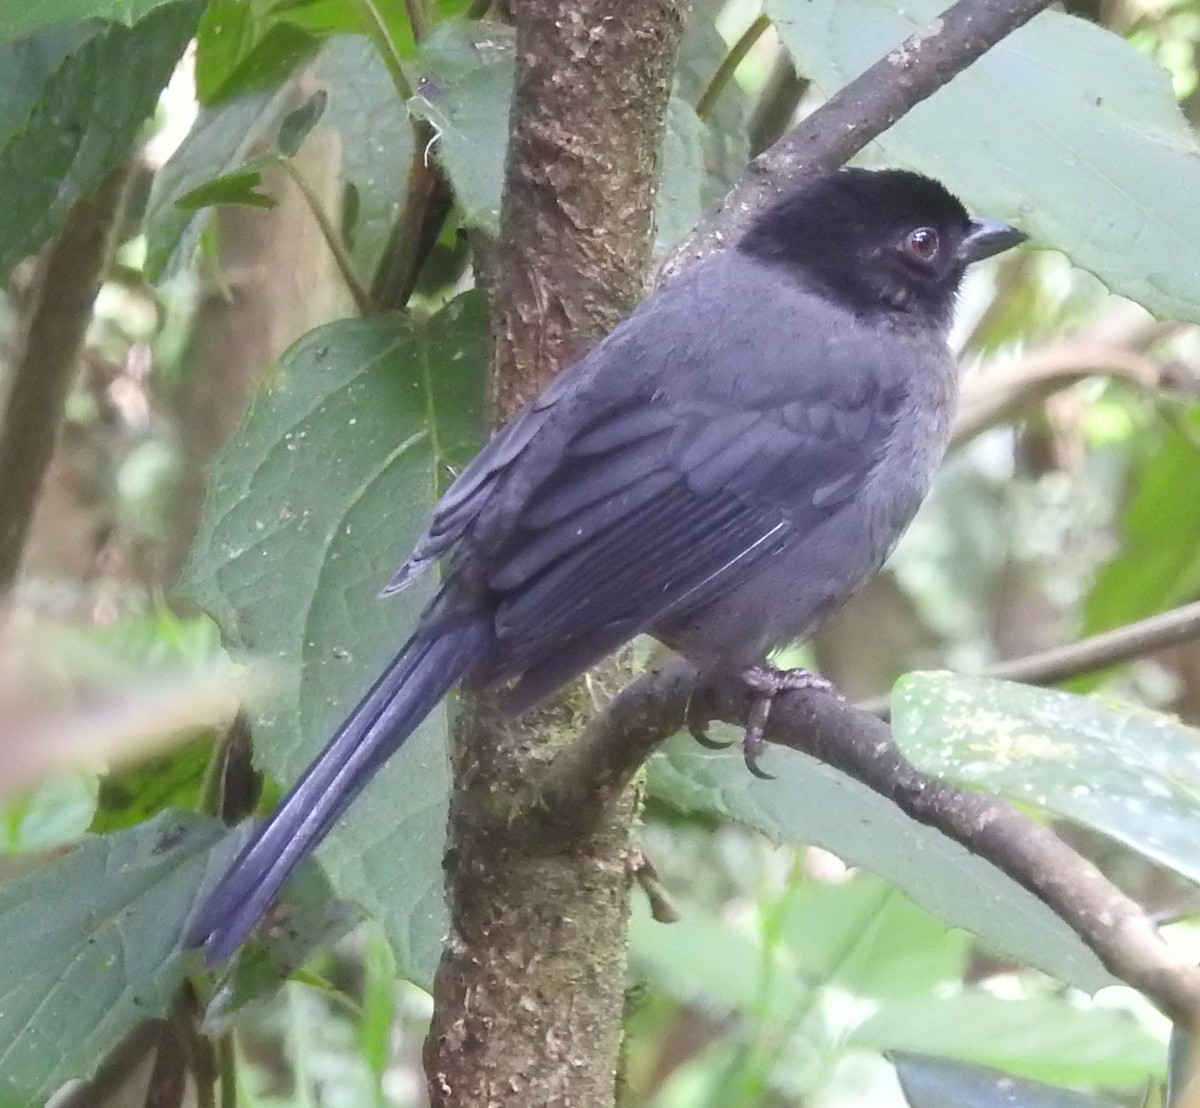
<point>767,682</point>
<point>697,720</point>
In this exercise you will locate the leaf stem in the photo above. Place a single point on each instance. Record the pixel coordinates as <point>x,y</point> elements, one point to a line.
<point>416,19</point>
<point>728,67</point>
<point>376,30</point>
<point>333,240</point>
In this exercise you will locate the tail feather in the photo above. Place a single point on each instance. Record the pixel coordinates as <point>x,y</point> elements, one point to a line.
<point>407,691</point>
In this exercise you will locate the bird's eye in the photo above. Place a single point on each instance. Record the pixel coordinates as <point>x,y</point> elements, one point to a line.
<point>922,244</point>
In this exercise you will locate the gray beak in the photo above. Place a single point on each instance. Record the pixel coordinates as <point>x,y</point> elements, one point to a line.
<point>987,237</point>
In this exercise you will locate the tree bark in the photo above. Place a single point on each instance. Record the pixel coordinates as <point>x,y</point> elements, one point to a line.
<point>530,992</point>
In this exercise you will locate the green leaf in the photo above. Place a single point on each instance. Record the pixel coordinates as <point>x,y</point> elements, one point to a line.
<point>322,492</point>
<point>939,1083</point>
<point>84,124</point>
<point>680,200</point>
<point>465,86</point>
<point>219,144</point>
<point>1047,1038</point>
<point>242,47</point>
<point>814,804</point>
<point>243,186</point>
<point>868,938</point>
<point>297,125</point>
<point>54,815</point>
<point>1063,127</point>
<point>25,19</point>
<point>89,947</point>
<point>1158,564</point>
<point>376,142</point>
<point>27,66</point>
<point>1128,772</point>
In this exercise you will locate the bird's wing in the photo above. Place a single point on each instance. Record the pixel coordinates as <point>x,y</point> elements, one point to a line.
<point>658,503</point>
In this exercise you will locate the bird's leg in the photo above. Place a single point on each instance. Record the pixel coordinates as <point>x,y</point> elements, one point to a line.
<point>767,682</point>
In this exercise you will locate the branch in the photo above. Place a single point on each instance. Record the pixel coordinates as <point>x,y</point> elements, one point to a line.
<point>858,744</point>
<point>994,395</point>
<point>1060,663</point>
<point>860,112</point>
<point>67,280</point>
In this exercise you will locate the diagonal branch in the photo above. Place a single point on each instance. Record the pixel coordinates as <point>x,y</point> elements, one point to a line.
<point>860,112</point>
<point>584,779</point>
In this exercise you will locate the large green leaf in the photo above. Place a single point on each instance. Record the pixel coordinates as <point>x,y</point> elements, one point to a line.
<point>83,124</point>
<point>376,141</point>
<point>320,494</point>
<point>89,947</point>
<point>1063,127</point>
<point>1128,772</point>
<point>24,19</point>
<point>812,803</point>
<point>1158,564</point>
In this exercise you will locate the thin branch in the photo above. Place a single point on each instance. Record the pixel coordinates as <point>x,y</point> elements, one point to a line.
<point>416,20</point>
<point>67,280</point>
<point>729,65</point>
<point>860,112</point>
<point>362,299</point>
<point>1110,648</point>
<point>375,27</point>
<point>994,395</point>
<point>860,745</point>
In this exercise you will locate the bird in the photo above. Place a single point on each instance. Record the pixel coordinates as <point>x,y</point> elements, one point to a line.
<point>731,463</point>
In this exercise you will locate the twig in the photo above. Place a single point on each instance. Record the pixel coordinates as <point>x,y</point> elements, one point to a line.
<point>991,396</point>
<point>416,19</point>
<point>67,280</point>
<point>1060,663</point>
<point>860,112</point>
<point>362,299</point>
<point>861,746</point>
<point>729,65</point>
<point>375,27</point>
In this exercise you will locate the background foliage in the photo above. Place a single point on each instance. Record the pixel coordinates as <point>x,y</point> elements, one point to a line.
<point>829,950</point>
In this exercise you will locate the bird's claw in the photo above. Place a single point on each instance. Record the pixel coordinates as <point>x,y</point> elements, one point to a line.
<point>767,682</point>
<point>697,725</point>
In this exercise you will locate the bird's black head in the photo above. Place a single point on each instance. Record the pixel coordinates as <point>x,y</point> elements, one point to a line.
<point>885,240</point>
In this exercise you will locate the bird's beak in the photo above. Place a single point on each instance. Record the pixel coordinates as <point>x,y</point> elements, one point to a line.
<point>987,237</point>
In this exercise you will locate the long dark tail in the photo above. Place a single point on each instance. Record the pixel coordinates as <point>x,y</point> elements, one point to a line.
<point>415,680</point>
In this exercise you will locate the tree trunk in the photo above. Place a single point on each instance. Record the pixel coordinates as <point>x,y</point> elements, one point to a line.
<point>529,995</point>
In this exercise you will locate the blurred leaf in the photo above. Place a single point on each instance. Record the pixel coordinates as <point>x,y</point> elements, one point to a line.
<point>1063,126</point>
<point>1047,1038</point>
<point>1158,564</point>
<point>812,803</point>
<point>89,947</point>
<point>376,141</point>
<point>940,1083</point>
<point>53,815</point>
<point>680,200</point>
<point>320,495</point>
<point>297,125</point>
<point>1128,772</point>
<point>464,90</point>
<point>27,66</point>
<point>25,19</point>
<point>137,794</point>
<point>243,47</point>
<point>868,938</point>
<point>84,124</point>
<point>219,143</point>
<point>242,186</point>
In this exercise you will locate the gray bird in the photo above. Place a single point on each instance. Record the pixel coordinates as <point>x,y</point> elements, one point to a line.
<point>725,469</point>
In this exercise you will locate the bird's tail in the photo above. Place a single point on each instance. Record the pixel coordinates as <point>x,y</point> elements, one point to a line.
<point>406,692</point>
